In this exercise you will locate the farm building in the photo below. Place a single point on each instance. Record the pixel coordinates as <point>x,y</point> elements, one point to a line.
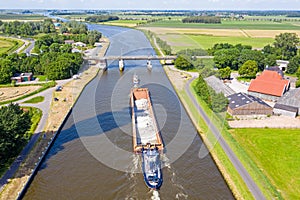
<point>289,103</point>
<point>285,110</point>
<point>282,64</point>
<point>269,85</point>
<point>22,77</point>
<point>218,85</point>
<point>244,104</point>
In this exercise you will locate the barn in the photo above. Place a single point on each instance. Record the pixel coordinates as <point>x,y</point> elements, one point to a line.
<point>269,85</point>
<point>244,104</point>
<point>289,103</point>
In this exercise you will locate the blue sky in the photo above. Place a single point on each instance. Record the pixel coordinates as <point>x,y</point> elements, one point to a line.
<point>154,4</point>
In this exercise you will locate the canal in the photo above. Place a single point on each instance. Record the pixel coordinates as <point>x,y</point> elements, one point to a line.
<point>92,157</point>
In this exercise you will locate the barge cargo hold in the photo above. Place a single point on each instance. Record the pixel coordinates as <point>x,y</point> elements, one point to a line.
<point>145,132</point>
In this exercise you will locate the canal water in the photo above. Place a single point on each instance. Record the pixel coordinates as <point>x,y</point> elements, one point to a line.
<point>92,157</point>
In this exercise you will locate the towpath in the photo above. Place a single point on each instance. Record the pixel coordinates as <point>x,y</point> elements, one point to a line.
<point>254,189</point>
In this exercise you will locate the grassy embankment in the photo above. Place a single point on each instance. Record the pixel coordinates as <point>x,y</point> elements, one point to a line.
<point>9,45</point>
<point>37,99</point>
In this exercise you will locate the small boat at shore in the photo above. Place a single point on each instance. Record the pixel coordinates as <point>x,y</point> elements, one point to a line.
<point>152,168</point>
<point>149,65</point>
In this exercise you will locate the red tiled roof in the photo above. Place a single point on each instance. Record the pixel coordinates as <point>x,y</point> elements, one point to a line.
<point>269,82</point>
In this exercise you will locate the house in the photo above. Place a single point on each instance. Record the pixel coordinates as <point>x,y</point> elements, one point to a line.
<point>288,104</point>
<point>22,77</point>
<point>269,85</point>
<point>79,44</point>
<point>69,42</point>
<point>244,104</point>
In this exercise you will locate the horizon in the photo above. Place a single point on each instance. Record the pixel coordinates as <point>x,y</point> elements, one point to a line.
<point>188,5</point>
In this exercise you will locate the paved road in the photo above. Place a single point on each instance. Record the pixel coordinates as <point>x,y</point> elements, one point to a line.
<point>44,106</point>
<point>256,192</point>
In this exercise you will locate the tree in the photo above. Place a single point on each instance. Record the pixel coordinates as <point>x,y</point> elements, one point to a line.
<point>224,73</point>
<point>249,69</point>
<point>293,65</point>
<point>248,54</point>
<point>182,63</point>
<point>287,44</point>
<point>6,71</point>
<point>227,58</point>
<point>14,123</point>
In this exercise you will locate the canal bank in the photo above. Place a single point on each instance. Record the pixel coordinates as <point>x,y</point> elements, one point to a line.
<point>59,112</point>
<point>179,80</point>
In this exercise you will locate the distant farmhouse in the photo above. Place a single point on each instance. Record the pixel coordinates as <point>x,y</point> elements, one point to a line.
<point>288,104</point>
<point>270,85</point>
<point>244,104</point>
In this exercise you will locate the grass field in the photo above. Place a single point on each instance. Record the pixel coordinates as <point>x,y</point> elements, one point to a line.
<point>229,24</point>
<point>277,153</point>
<point>9,45</point>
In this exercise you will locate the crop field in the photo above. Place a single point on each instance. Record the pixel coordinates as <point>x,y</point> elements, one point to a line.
<point>230,24</point>
<point>182,38</point>
<point>277,154</point>
<point>16,17</point>
<point>126,23</point>
<point>183,41</point>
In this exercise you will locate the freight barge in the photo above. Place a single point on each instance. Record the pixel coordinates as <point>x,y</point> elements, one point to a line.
<point>146,137</point>
<point>145,132</point>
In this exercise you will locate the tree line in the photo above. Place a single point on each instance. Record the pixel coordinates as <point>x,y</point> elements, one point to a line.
<point>14,126</point>
<point>202,19</point>
<point>27,28</point>
<point>235,56</point>
<point>101,18</point>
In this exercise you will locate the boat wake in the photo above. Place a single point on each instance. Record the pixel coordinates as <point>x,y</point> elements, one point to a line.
<point>180,194</point>
<point>132,173</point>
<point>155,195</point>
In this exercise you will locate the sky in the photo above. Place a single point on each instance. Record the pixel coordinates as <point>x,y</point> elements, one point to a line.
<point>153,4</point>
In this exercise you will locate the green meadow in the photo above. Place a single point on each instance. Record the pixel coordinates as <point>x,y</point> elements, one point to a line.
<point>277,153</point>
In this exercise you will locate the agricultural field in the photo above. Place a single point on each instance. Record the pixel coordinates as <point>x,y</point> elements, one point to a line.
<point>277,154</point>
<point>8,45</point>
<point>15,17</point>
<point>126,23</point>
<point>229,24</point>
<point>255,33</point>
